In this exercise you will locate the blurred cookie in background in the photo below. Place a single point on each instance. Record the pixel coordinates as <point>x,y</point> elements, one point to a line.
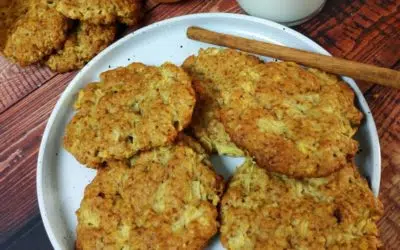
<point>101,11</point>
<point>42,31</point>
<point>36,34</point>
<point>82,44</point>
<point>10,11</point>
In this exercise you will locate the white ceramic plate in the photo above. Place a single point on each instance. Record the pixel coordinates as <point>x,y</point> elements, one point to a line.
<point>61,179</point>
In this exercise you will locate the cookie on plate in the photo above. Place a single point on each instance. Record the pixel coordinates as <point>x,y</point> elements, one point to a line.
<point>264,210</point>
<point>131,109</point>
<point>206,126</point>
<point>161,199</point>
<point>101,11</point>
<point>82,45</point>
<point>295,121</point>
<point>37,34</point>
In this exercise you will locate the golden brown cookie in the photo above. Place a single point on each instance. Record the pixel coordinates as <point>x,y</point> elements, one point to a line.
<point>263,210</point>
<point>294,121</point>
<point>101,11</point>
<point>162,199</point>
<point>10,11</point>
<point>131,109</point>
<point>206,126</point>
<point>36,34</point>
<point>81,46</point>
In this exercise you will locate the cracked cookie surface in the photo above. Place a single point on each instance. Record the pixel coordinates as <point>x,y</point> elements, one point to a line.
<point>263,210</point>
<point>162,199</point>
<point>295,121</point>
<point>131,109</point>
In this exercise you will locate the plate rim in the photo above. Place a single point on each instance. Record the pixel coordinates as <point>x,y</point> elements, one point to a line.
<point>40,168</point>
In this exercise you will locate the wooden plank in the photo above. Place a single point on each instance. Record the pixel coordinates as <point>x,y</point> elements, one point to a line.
<point>34,237</point>
<point>17,82</point>
<point>364,31</point>
<point>384,103</point>
<point>21,129</point>
<point>150,4</point>
<point>165,11</point>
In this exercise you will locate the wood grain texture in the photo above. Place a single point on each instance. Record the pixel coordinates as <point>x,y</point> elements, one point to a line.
<point>367,31</point>
<point>150,4</point>
<point>34,237</point>
<point>19,145</point>
<point>17,82</point>
<point>385,107</point>
<point>165,11</point>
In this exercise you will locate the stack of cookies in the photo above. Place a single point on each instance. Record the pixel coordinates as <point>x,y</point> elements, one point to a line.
<point>63,34</point>
<point>155,187</point>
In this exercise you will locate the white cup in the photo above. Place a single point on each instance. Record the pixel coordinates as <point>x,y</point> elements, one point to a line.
<point>287,12</point>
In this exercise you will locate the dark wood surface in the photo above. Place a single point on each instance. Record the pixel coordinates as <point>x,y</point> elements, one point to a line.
<point>363,30</point>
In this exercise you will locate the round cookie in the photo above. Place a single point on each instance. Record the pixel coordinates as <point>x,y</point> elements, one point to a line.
<point>131,109</point>
<point>101,11</point>
<point>262,210</point>
<point>292,120</point>
<point>81,46</point>
<point>162,199</point>
<point>36,34</point>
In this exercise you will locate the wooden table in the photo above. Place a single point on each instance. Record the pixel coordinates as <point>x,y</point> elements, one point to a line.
<point>362,30</point>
